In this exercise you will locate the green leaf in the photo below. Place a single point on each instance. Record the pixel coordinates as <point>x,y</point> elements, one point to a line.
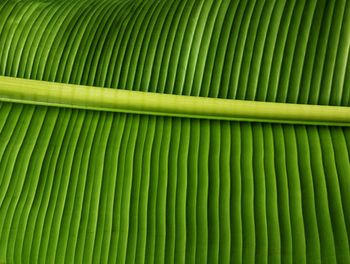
<point>174,170</point>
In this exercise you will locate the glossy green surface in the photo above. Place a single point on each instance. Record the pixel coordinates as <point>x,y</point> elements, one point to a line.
<point>89,186</point>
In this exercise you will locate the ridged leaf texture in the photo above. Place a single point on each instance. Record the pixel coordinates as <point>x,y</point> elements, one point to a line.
<point>79,186</point>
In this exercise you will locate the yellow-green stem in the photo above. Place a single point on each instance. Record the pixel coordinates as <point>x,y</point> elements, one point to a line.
<point>115,100</point>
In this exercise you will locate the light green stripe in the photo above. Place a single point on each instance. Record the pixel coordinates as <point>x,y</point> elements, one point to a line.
<point>115,100</point>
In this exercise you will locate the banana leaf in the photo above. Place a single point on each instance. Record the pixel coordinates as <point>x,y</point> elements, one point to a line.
<point>233,145</point>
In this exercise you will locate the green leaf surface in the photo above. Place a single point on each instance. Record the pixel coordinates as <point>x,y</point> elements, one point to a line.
<point>174,170</point>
